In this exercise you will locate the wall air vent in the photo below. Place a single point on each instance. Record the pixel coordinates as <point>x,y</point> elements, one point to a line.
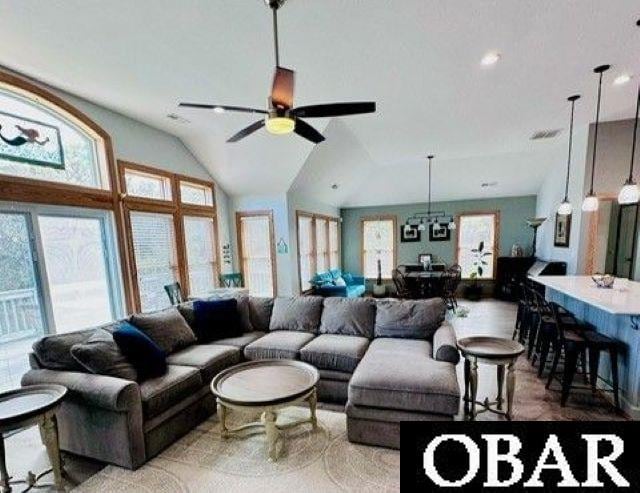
<point>545,134</point>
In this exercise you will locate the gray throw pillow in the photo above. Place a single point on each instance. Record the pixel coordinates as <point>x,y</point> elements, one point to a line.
<point>409,319</point>
<point>260,310</point>
<point>101,355</point>
<point>348,316</point>
<point>53,352</point>
<point>167,328</point>
<point>300,314</point>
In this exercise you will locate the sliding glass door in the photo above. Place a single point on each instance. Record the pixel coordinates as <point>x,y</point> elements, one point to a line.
<point>58,273</point>
<point>257,259</point>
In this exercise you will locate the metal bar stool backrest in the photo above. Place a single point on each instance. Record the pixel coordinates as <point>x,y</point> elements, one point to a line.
<point>174,292</point>
<point>400,283</point>
<point>556,313</point>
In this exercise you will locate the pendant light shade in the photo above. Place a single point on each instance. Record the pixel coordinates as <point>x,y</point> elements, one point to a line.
<point>630,194</point>
<point>590,203</point>
<point>566,208</point>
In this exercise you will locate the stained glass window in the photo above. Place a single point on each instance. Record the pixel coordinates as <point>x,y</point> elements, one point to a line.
<point>39,142</point>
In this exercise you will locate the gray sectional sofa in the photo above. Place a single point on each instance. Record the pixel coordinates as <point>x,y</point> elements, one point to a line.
<point>387,360</point>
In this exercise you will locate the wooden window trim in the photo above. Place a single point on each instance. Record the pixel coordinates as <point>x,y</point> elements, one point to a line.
<point>389,217</point>
<point>178,210</point>
<point>314,252</point>
<point>20,189</point>
<point>496,246</point>
<point>272,249</point>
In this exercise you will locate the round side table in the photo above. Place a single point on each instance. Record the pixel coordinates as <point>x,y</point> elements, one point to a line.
<point>28,406</point>
<point>496,351</point>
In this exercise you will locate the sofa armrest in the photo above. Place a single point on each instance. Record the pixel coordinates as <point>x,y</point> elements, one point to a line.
<point>332,290</point>
<point>114,394</point>
<point>445,344</point>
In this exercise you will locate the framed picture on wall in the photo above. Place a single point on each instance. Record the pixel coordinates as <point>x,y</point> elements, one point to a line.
<point>409,235</point>
<point>439,232</point>
<point>562,231</point>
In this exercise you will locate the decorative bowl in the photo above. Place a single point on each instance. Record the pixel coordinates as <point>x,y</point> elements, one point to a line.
<point>603,280</point>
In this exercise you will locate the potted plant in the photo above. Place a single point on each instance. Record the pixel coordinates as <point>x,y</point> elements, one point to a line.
<point>473,291</point>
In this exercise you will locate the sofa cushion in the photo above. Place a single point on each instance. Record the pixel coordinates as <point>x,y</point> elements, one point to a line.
<point>101,355</point>
<point>260,312</point>
<point>401,374</point>
<point>348,316</point>
<point>216,319</point>
<point>355,290</point>
<point>160,393</point>
<point>300,313</point>
<point>208,358</point>
<point>144,354</point>
<point>240,341</point>
<point>411,319</point>
<point>53,352</point>
<point>167,328</point>
<point>335,352</point>
<point>278,345</point>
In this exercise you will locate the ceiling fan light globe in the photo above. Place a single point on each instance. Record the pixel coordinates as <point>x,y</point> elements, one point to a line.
<point>280,125</point>
<point>421,226</point>
<point>565,208</point>
<point>630,194</point>
<point>590,203</point>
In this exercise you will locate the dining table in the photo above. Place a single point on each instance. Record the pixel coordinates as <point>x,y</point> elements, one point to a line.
<point>430,282</point>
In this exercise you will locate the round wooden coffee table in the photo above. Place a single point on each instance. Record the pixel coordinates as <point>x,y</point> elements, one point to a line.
<point>502,353</point>
<point>27,406</point>
<point>266,386</point>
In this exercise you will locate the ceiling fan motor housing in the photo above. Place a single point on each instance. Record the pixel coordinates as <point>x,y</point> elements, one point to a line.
<point>275,4</point>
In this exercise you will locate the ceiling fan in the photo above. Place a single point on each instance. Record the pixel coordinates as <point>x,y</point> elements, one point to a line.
<point>281,117</point>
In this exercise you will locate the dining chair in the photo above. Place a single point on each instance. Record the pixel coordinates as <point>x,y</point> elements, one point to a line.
<point>174,292</point>
<point>451,281</point>
<point>402,288</point>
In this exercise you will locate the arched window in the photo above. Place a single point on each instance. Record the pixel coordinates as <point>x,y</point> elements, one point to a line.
<point>42,141</point>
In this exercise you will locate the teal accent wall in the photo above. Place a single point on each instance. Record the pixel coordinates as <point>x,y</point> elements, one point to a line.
<point>514,211</point>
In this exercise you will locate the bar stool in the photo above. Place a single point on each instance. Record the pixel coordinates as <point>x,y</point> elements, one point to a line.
<point>523,306</point>
<point>578,340</point>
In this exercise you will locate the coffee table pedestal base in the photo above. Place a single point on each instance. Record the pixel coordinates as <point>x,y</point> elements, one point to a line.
<point>268,422</point>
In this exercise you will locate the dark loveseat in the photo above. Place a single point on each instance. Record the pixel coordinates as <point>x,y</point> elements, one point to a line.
<point>387,360</point>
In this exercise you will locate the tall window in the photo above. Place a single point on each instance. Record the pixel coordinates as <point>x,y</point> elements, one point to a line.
<point>378,243</point>
<point>172,233</point>
<point>334,244</point>
<point>306,251</point>
<point>257,259</point>
<point>477,245</point>
<point>200,240</point>
<point>318,246</point>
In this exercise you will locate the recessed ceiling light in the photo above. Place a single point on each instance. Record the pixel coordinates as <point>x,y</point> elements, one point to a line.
<point>621,79</point>
<point>334,186</point>
<point>218,109</point>
<point>490,58</point>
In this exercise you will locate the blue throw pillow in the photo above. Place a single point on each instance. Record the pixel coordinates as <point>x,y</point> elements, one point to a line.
<point>216,319</point>
<point>348,278</point>
<point>144,354</point>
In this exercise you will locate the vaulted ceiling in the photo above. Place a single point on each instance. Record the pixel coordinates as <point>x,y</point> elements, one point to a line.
<point>419,59</point>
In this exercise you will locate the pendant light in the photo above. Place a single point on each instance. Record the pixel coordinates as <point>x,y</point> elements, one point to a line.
<point>590,203</point>
<point>566,208</point>
<point>630,194</point>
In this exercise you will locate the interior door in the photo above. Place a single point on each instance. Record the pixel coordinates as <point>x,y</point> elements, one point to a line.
<point>256,250</point>
<point>626,234</point>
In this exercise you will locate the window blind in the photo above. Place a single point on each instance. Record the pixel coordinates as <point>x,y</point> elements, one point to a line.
<point>474,230</point>
<point>256,254</point>
<point>334,245</point>
<point>305,251</point>
<point>199,237</point>
<point>378,242</point>
<point>322,250</point>
<point>154,249</point>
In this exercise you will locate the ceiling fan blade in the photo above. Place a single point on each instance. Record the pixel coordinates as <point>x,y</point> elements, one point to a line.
<point>334,109</point>
<point>303,129</point>
<point>238,109</point>
<point>282,90</point>
<point>247,131</point>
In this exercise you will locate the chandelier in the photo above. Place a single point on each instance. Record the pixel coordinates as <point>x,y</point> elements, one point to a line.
<point>423,219</point>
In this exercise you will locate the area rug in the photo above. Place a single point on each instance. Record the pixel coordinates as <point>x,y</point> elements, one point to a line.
<point>312,461</point>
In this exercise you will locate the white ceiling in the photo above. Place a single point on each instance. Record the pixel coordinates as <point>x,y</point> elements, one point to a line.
<point>419,59</point>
